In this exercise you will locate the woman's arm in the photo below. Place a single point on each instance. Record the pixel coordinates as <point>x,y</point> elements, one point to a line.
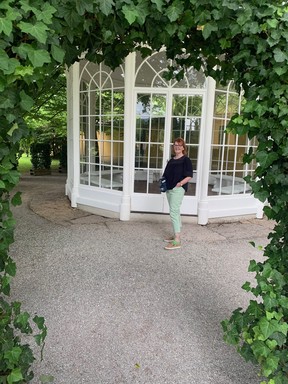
<point>184,181</point>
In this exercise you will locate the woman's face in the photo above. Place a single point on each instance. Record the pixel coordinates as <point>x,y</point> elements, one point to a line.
<point>178,148</point>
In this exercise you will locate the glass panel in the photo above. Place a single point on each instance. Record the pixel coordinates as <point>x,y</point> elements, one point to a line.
<point>179,105</point>
<point>220,104</point>
<point>106,125</point>
<point>158,61</point>
<point>143,105</point>
<point>95,101</point>
<point>193,135</point>
<point>242,140</point>
<point>118,103</point>
<point>118,128</point>
<point>117,77</point>
<point>157,129</point>
<point>105,79</point>
<point>177,127</point>
<point>145,76</point>
<point>233,105</point>
<point>150,128</point>
<point>158,105</point>
<point>194,105</point>
<point>102,128</point>
<point>94,152</point>
<point>159,82</point>
<point>84,127</point>
<point>218,131</point>
<point>141,155</point>
<point>95,81</point>
<point>156,156</point>
<point>106,102</point>
<point>83,86</point>
<point>84,149</point>
<point>84,104</point>
<point>227,169</point>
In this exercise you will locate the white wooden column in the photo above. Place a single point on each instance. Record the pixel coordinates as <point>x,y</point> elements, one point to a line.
<point>73,134</point>
<point>203,209</point>
<point>129,140</point>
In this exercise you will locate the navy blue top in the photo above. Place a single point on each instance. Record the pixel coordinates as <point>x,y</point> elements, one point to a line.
<point>176,170</point>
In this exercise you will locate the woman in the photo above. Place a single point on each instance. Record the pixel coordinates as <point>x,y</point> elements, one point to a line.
<point>177,173</point>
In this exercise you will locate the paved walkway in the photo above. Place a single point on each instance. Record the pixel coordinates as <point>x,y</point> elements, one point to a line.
<point>119,308</point>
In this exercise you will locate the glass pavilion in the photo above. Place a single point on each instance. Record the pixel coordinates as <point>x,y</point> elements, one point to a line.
<point>121,126</point>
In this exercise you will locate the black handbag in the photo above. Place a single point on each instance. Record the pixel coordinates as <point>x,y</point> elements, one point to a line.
<point>162,184</point>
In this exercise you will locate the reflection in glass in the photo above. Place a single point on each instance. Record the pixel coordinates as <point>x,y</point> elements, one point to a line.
<point>194,105</point>
<point>149,145</point>
<point>179,105</point>
<point>118,103</point>
<point>157,129</point>
<point>158,105</point>
<point>106,102</point>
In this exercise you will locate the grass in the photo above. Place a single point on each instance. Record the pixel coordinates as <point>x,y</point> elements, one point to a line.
<point>24,164</point>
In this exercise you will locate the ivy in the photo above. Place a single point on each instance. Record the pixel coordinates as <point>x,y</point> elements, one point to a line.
<point>245,41</point>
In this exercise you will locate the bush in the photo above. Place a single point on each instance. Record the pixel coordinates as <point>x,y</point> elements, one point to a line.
<point>40,155</point>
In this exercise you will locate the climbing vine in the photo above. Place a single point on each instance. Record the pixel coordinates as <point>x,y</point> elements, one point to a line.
<point>246,41</point>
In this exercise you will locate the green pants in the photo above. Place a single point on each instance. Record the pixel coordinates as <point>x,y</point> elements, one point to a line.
<point>175,197</point>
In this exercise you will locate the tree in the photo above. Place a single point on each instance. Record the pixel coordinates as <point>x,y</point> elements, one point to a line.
<point>47,118</point>
<point>245,41</point>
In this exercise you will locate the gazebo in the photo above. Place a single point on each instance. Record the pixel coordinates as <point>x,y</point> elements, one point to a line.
<point>121,126</point>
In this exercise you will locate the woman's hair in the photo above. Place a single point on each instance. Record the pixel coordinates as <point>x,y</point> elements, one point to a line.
<point>181,142</point>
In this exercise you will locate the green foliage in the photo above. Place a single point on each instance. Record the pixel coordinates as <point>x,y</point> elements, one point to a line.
<point>41,155</point>
<point>242,40</point>
<point>15,357</point>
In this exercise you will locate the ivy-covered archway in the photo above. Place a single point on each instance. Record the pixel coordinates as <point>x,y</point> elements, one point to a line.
<point>243,41</point>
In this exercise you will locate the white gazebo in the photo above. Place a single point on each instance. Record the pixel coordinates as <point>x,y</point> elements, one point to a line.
<point>121,125</point>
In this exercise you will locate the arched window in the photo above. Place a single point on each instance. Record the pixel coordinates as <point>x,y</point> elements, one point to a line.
<point>149,73</point>
<point>101,125</point>
<point>227,150</point>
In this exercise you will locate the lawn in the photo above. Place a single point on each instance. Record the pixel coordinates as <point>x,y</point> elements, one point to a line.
<point>24,164</point>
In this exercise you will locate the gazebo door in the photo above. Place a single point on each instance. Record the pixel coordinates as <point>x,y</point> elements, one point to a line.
<point>161,117</point>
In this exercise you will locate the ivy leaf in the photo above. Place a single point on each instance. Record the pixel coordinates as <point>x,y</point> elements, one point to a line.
<point>267,327</point>
<point>16,199</point>
<point>5,26</point>
<point>57,53</point>
<point>209,28</point>
<point>279,55</point>
<point>106,6</point>
<point>129,13</point>
<point>37,30</point>
<point>39,57</point>
<point>11,267</point>
<point>39,321</point>
<point>260,349</point>
<point>13,355</point>
<point>159,4</point>
<point>246,286</point>
<point>270,365</point>
<point>265,159</point>
<point>14,376</point>
<point>24,71</point>
<point>273,23</point>
<point>26,101</point>
<point>83,6</point>
<point>4,60</point>
<point>174,11</point>
<point>279,337</point>
<point>46,13</point>
<point>253,266</point>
